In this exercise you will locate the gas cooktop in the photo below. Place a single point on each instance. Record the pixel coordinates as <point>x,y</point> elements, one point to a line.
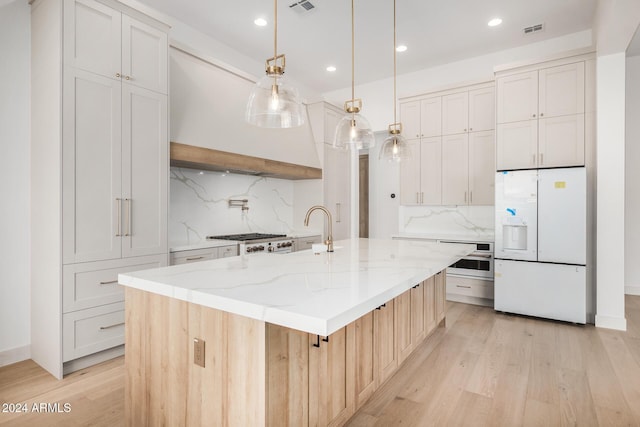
<point>246,237</point>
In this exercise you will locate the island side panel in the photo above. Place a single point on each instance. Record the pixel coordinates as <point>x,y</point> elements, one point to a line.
<point>163,386</point>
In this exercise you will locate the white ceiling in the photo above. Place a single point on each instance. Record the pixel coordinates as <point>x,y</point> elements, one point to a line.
<point>435,31</point>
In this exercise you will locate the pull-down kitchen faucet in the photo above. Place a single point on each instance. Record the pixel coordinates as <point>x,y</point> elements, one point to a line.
<point>329,241</point>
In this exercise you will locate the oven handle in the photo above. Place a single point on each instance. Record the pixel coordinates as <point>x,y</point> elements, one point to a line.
<point>474,255</point>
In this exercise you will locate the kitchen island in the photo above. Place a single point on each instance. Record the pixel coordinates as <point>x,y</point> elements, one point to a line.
<point>293,339</point>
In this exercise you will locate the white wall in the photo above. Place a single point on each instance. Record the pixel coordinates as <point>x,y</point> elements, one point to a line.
<point>614,26</point>
<point>377,96</point>
<point>632,178</point>
<point>14,181</point>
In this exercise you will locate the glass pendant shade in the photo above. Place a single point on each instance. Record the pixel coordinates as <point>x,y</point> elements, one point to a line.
<point>353,131</point>
<point>395,148</point>
<point>273,103</point>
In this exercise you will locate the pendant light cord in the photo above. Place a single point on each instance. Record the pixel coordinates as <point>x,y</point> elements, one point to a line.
<point>353,60</point>
<point>275,29</point>
<point>394,63</point>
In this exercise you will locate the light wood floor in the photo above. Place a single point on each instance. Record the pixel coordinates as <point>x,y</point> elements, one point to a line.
<point>482,369</point>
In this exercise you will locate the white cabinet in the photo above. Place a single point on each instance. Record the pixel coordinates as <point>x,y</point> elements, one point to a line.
<point>541,118</point>
<point>197,255</point>
<point>452,143</point>
<point>304,243</point>
<point>421,175</point>
<point>324,118</point>
<point>422,118</point>
<point>107,42</point>
<point>99,182</point>
<point>337,193</point>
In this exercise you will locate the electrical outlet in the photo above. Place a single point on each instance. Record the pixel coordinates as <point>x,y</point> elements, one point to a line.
<point>198,352</point>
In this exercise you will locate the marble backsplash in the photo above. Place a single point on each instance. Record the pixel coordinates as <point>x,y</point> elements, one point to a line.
<point>447,220</point>
<point>199,204</point>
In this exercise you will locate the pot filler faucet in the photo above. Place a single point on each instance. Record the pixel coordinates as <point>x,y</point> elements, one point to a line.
<point>329,241</point>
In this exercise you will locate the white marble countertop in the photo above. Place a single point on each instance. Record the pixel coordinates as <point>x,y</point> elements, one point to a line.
<point>318,294</point>
<point>472,238</point>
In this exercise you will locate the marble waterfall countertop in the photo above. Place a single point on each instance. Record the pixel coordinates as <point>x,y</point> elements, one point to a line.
<point>318,294</point>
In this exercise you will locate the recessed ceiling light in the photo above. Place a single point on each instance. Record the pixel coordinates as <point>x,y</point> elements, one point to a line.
<point>494,22</point>
<point>331,68</point>
<point>401,48</point>
<point>260,22</point>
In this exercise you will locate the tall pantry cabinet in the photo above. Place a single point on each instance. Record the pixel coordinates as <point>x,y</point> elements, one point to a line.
<point>99,172</point>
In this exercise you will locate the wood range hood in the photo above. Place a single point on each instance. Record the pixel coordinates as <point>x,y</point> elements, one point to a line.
<point>190,156</point>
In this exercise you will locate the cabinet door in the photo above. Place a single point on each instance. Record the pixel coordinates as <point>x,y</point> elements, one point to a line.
<point>331,379</point>
<point>418,321</point>
<point>331,119</point>
<point>441,291</point>
<point>455,113</point>
<point>482,168</point>
<point>517,145</point>
<point>385,337</point>
<point>144,55</point>
<point>482,114</point>
<point>92,37</point>
<point>561,141</point>
<point>410,117</point>
<point>365,358</point>
<point>517,97</point>
<point>91,205</point>
<point>431,117</point>
<point>403,325</point>
<point>337,167</point>
<point>410,176</point>
<point>455,169</point>
<point>145,171</point>
<point>562,90</point>
<point>430,304</point>
<point>431,171</point>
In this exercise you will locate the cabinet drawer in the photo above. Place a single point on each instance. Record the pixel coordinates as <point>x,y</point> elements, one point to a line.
<point>196,255</point>
<point>89,331</point>
<point>227,251</point>
<point>470,287</point>
<point>93,284</point>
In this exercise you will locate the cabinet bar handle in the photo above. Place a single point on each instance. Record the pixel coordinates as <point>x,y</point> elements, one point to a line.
<point>460,286</point>
<point>128,232</point>
<point>119,207</point>
<point>102,328</point>
<point>317,343</point>
<point>338,212</point>
<point>534,159</point>
<point>470,196</point>
<point>542,158</point>
<point>194,258</point>
<point>422,198</point>
<point>109,282</point>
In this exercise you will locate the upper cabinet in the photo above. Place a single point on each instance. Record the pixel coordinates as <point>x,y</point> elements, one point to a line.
<point>107,42</point>
<point>452,144</point>
<point>541,119</point>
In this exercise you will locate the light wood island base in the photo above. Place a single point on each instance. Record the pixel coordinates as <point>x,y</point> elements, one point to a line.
<point>260,374</point>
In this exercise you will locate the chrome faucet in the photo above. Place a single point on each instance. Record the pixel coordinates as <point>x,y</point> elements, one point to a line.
<point>329,241</point>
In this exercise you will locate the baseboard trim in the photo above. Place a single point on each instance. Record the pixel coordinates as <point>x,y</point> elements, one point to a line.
<point>15,355</point>
<point>632,290</point>
<point>608,322</point>
<point>92,359</point>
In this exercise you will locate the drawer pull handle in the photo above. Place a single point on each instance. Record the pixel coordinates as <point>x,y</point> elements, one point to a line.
<point>102,328</point>
<point>194,258</point>
<point>460,286</point>
<point>109,282</point>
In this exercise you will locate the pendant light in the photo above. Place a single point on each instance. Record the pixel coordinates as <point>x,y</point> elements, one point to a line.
<point>273,102</point>
<point>353,130</point>
<point>395,147</point>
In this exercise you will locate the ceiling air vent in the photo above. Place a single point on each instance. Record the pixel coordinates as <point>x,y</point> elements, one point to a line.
<point>302,6</point>
<point>533,29</point>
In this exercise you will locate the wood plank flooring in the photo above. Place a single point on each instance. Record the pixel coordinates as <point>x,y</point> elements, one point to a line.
<point>482,369</point>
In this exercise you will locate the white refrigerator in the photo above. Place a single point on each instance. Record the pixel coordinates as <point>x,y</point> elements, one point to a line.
<point>541,243</point>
